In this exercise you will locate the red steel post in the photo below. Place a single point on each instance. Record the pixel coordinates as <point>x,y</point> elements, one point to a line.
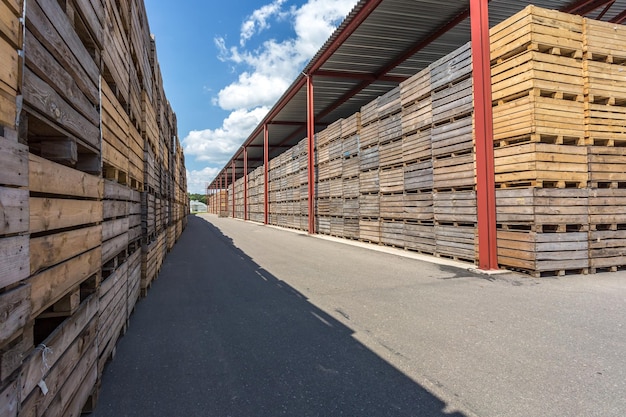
<point>245,183</point>
<point>483,117</point>
<point>233,183</point>
<point>310,118</point>
<point>266,157</point>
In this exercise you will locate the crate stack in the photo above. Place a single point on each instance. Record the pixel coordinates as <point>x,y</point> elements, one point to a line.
<point>239,198</point>
<point>416,101</point>
<point>391,171</point>
<point>350,130</point>
<point>604,46</point>
<point>454,177</point>
<point>255,194</point>
<point>302,178</point>
<point>335,178</point>
<point>539,139</point>
<point>369,164</point>
<point>73,168</point>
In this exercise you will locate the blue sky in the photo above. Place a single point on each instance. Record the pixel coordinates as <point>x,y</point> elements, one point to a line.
<point>225,64</point>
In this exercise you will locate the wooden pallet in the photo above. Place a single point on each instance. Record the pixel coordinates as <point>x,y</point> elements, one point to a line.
<point>455,207</point>
<point>418,176</point>
<point>416,88</point>
<point>549,75</point>
<point>537,29</point>
<point>541,164</point>
<point>603,41</point>
<point>604,82</point>
<point>551,120</point>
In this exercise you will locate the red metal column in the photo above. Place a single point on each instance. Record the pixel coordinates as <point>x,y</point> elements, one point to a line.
<point>310,118</point>
<point>245,183</point>
<point>483,118</point>
<point>233,181</point>
<point>266,157</point>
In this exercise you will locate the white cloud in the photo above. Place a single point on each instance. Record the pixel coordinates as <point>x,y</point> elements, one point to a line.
<point>264,72</point>
<point>197,181</point>
<point>258,20</point>
<point>217,146</point>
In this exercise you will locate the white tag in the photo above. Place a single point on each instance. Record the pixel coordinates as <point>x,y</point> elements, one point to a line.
<point>44,388</point>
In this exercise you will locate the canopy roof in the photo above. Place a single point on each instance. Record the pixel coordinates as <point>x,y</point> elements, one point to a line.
<point>380,44</point>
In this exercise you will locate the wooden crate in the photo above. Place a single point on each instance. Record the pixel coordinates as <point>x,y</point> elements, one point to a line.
<point>392,180</point>
<point>390,153</point>
<point>350,168</point>
<point>392,233</point>
<point>417,116</point>
<point>369,158</point>
<point>541,165</point>
<point>334,130</point>
<point>605,124</point>
<point>351,126</point>
<point>350,187</point>
<point>389,104</point>
<point>369,113</point>
<point>456,172</point>
<point>537,29</point>
<point>417,146</point>
<point>607,234</point>
<point>451,69</point>
<point>115,122</point>
<point>420,237</point>
<point>457,207</point>
<point>456,137</point>
<point>543,209</point>
<point>369,230</point>
<point>416,88</point>
<point>351,227</point>
<point>534,118</point>
<point>606,208</point>
<point>456,241</point>
<point>369,135</point>
<point>603,41</point>
<point>537,73</point>
<point>116,52</point>
<point>390,128</point>
<point>418,176</point>
<point>452,101</point>
<point>323,224</point>
<point>369,182</point>
<point>351,207</point>
<point>604,82</point>
<point>418,207</point>
<point>392,206</point>
<point>607,167</point>
<point>369,205</point>
<point>543,254</point>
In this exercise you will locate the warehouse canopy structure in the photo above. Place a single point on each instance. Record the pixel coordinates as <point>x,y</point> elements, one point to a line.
<point>380,44</point>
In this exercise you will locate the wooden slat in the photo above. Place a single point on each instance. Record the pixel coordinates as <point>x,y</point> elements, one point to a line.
<point>15,311</point>
<point>51,178</point>
<point>48,214</point>
<point>14,207</point>
<point>53,249</point>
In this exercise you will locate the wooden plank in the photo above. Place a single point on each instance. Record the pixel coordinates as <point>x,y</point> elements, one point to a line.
<point>15,311</point>
<point>48,214</point>
<point>15,254</point>
<point>51,285</point>
<point>53,249</point>
<point>14,207</point>
<point>8,108</point>
<point>114,246</point>
<point>51,178</point>
<point>452,67</point>
<point>47,68</point>
<point>33,369</point>
<point>42,98</point>
<point>47,21</point>
<point>10,27</point>
<point>415,88</point>
<point>9,400</point>
<point>9,66</point>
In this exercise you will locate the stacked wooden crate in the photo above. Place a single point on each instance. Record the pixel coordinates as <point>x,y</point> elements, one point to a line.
<point>322,182</point>
<point>604,46</point>
<point>350,129</point>
<point>454,178</point>
<point>335,178</point>
<point>239,198</point>
<point>391,174</point>
<point>369,164</point>
<point>416,101</point>
<point>539,138</point>
<point>302,179</point>
<point>70,195</point>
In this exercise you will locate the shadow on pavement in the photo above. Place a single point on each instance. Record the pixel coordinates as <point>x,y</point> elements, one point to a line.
<point>219,336</point>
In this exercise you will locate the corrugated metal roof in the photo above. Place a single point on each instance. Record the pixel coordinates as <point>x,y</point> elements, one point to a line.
<point>377,45</point>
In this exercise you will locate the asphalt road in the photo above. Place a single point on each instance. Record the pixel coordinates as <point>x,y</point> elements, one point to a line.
<point>248,320</point>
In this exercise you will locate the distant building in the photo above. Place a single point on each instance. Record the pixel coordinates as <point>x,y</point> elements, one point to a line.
<point>197,206</point>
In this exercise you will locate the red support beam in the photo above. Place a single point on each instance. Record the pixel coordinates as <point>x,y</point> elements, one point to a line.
<point>266,161</point>
<point>483,118</point>
<point>245,183</point>
<point>233,184</point>
<point>310,117</point>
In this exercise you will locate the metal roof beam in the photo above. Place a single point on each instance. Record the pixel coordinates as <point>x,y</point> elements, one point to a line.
<point>583,7</point>
<point>620,18</point>
<point>359,76</point>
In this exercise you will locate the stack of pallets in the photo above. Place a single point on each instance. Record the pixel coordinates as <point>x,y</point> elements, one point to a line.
<point>416,99</point>
<point>350,129</point>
